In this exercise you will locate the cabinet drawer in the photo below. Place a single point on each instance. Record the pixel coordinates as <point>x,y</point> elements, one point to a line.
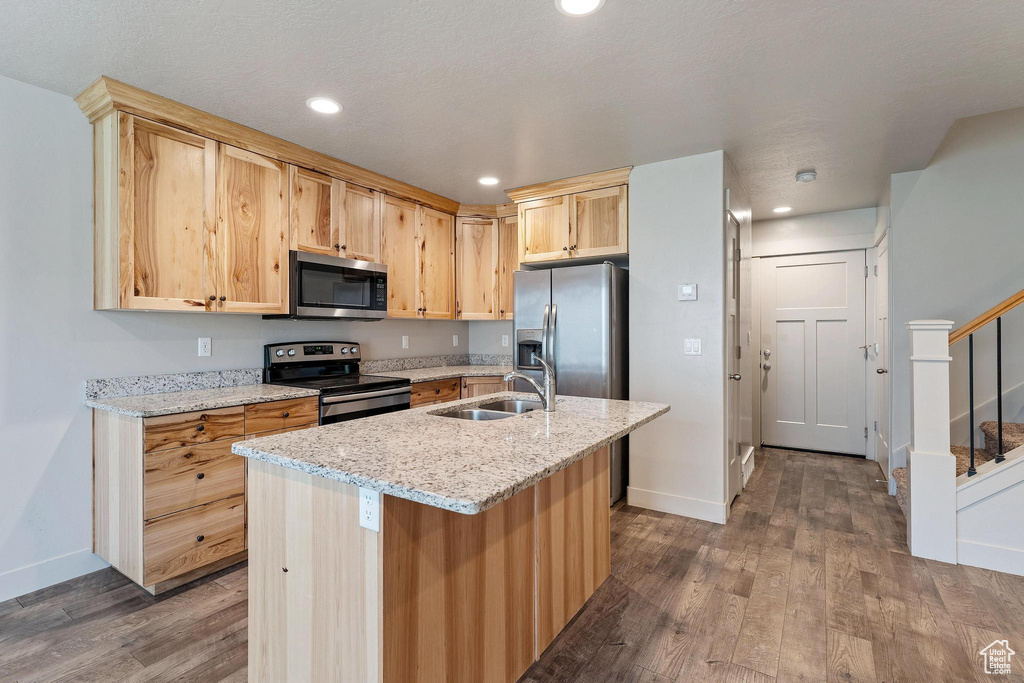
<point>178,543</point>
<point>186,429</point>
<point>441,391</point>
<point>182,478</point>
<point>263,417</point>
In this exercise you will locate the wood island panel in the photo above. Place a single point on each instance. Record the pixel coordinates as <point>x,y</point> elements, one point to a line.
<point>458,592</point>
<point>573,542</point>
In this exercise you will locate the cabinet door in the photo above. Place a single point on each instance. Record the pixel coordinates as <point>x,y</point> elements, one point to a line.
<point>359,232</point>
<point>435,263</point>
<point>252,228</point>
<point>314,211</point>
<point>508,258</point>
<point>476,268</point>
<point>168,202</point>
<point>482,386</point>
<point>597,223</point>
<point>544,229</point>
<point>398,251</point>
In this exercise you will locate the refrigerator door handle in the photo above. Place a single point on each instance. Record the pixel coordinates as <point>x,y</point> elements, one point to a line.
<point>551,321</point>
<point>544,334</point>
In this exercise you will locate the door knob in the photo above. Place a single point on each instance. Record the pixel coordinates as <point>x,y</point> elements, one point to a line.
<point>881,371</point>
<point>767,366</point>
<point>736,377</point>
<point>767,353</point>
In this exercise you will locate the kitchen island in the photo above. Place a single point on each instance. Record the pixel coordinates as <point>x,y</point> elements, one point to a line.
<point>483,539</point>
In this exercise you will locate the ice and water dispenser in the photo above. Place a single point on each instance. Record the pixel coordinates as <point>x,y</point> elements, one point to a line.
<point>528,342</point>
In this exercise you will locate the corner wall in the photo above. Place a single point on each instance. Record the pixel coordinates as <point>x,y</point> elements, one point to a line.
<point>675,237</point>
<point>957,244</point>
<point>51,340</point>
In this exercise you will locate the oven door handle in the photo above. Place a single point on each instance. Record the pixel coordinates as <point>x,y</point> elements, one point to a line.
<point>347,398</point>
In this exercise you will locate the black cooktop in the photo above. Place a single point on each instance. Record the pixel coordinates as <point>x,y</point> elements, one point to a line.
<point>346,384</point>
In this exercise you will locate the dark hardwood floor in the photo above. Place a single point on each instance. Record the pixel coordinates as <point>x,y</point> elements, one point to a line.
<point>810,580</point>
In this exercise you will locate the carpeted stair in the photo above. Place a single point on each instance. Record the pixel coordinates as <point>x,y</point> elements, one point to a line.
<point>1013,437</point>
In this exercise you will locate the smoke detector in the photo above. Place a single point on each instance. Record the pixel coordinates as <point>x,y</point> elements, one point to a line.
<point>806,176</point>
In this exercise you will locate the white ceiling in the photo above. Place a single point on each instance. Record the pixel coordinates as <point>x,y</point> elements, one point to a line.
<point>438,93</point>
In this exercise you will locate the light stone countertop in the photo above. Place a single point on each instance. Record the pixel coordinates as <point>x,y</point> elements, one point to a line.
<point>448,371</point>
<point>454,464</point>
<point>169,403</point>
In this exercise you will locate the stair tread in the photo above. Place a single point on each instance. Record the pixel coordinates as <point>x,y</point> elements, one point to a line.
<point>963,457</point>
<point>1013,435</point>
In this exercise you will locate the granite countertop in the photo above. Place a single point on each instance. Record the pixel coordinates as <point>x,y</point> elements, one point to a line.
<point>168,403</point>
<point>454,464</point>
<point>448,371</point>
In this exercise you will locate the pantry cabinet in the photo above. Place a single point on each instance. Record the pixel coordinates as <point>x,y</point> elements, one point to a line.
<point>477,266</point>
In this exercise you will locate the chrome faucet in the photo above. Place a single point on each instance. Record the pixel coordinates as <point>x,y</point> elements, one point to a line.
<point>546,392</point>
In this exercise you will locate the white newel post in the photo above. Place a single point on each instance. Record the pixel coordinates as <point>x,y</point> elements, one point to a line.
<point>931,467</point>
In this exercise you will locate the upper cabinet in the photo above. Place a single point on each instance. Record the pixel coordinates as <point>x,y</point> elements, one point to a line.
<point>418,246</point>
<point>582,217</point>
<point>252,232</point>
<point>359,223</point>
<point>476,268</point>
<point>314,211</point>
<point>508,255</point>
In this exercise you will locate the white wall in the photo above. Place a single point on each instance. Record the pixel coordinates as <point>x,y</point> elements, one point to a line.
<point>51,339</point>
<point>485,336</point>
<point>957,243</point>
<point>835,231</point>
<point>675,218</point>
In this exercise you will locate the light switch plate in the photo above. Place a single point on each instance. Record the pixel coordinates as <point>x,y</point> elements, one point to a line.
<point>205,346</point>
<point>369,509</point>
<point>691,347</point>
<point>405,342</point>
<point>687,292</point>
<point>455,340</point>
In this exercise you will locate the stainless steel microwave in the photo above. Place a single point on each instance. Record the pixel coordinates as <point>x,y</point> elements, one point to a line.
<point>332,288</point>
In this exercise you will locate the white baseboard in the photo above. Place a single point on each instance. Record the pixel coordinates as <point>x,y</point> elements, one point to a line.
<point>677,505</point>
<point>30,578</point>
<point>974,554</point>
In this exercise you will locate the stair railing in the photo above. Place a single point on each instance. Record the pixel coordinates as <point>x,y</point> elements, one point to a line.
<point>996,314</point>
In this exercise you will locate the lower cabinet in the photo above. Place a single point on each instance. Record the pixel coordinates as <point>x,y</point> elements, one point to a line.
<point>440,391</point>
<point>481,386</point>
<point>170,496</point>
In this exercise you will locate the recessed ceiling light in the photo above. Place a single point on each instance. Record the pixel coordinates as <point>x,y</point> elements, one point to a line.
<point>782,209</point>
<point>806,176</point>
<point>488,180</point>
<point>323,105</point>
<point>578,8</point>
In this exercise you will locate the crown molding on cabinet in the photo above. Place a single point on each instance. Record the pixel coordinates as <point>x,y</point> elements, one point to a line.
<point>487,210</point>
<point>580,183</point>
<point>106,95</point>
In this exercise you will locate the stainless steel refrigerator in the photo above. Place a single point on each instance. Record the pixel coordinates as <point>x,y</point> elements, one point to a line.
<point>576,319</point>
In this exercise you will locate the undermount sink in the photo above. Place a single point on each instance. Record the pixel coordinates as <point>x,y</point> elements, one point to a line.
<point>517,407</point>
<point>477,415</point>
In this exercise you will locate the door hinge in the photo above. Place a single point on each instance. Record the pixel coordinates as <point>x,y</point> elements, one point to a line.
<point>865,432</point>
<point>876,425</point>
<point>876,271</point>
<point>865,271</point>
<point>739,352</point>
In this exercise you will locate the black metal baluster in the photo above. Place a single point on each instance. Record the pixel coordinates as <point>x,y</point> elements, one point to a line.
<point>970,365</point>
<point>999,387</point>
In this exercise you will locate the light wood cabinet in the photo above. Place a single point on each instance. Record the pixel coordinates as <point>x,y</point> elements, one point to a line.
<point>544,229</point>
<point>418,246</point>
<point>439,391</point>
<point>252,227</point>
<point>508,257</point>
<point>597,223</point>
<point>482,386</point>
<point>359,224</point>
<point>476,268</point>
<point>314,211</point>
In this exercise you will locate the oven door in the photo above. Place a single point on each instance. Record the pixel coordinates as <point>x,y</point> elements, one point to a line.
<point>354,406</point>
<point>331,287</point>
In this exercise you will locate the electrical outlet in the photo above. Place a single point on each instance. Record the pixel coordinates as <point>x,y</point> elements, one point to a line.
<point>455,340</point>
<point>504,340</point>
<point>205,346</point>
<point>369,509</point>
<point>405,342</point>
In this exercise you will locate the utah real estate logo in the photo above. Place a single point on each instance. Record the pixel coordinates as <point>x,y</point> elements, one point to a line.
<point>997,657</point>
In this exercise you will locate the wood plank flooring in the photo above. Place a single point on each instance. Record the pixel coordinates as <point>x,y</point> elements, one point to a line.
<point>810,580</point>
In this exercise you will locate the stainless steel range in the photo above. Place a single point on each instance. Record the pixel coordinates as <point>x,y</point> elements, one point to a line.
<point>333,369</point>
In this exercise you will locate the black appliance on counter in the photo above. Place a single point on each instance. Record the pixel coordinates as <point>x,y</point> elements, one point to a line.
<point>332,368</point>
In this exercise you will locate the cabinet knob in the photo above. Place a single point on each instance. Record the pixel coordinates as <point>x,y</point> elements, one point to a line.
<point>337,246</point>
<point>188,455</point>
<point>223,298</point>
<point>213,297</point>
<point>565,248</point>
<point>344,246</point>
<point>285,414</point>
<point>200,428</point>
<point>200,538</point>
<point>200,475</point>
<point>502,311</point>
<point>437,391</point>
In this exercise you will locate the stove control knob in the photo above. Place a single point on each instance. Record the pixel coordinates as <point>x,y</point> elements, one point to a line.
<point>291,352</point>
<point>280,352</point>
<point>343,349</point>
<point>354,350</point>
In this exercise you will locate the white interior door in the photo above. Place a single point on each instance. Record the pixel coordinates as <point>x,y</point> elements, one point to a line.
<point>882,355</point>
<point>812,351</point>
<point>732,364</point>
